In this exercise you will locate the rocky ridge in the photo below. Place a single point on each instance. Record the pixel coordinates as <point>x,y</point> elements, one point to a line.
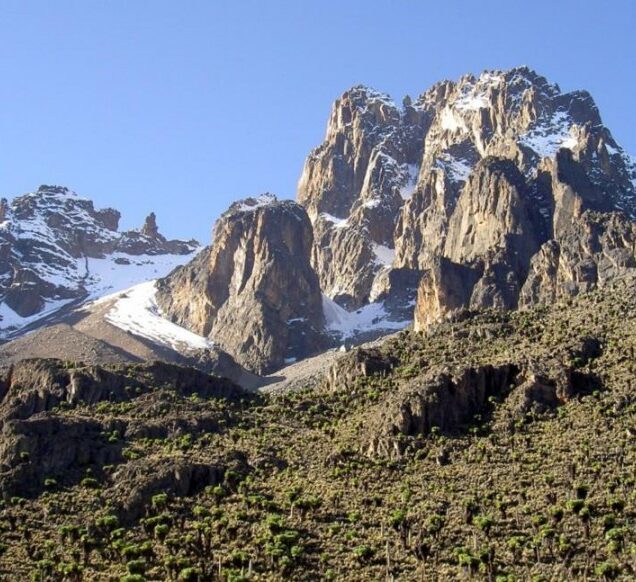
<point>493,191</point>
<point>56,248</point>
<point>498,191</point>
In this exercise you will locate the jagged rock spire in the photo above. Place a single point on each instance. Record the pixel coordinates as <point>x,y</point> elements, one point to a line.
<point>150,227</point>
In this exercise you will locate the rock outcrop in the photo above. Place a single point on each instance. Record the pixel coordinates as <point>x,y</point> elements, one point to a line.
<point>445,403</point>
<point>358,363</point>
<point>36,442</point>
<point>253,291</point>
<point>353,187</point>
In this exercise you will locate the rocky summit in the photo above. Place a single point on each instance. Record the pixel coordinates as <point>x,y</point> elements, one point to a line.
<point>502,177</point>
<point>492,191</point>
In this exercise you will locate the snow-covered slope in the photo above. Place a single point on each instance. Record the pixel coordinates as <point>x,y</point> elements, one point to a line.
<point>370,319</point>
<point>135,310</point>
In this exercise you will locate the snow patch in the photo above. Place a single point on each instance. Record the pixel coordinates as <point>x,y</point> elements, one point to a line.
<point>102,279</point>
<point>337,222</point>
<point>474,96</point>
<point>373,203</point>
<point>450,121</point>
<point>383,255</point>
<point>120,271</point>
<point>10,321</point>
<point>136,311</point>
<point>348,324</point>
<point>254,203</point>
<point>611,150</point>
<point>374,95</point>
<point>410,172</point>
<point>458,170</point>
<point>547,138</point>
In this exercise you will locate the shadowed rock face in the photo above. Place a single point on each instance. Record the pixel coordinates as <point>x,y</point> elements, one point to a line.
<point>253,291</point>
<point>446,403</point>
<point>451,402</point>
<point>502,174</point>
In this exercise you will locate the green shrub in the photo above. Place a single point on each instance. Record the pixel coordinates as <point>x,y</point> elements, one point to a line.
<point>607,570</point>
<point>363,553</point>
<point>136,566</point>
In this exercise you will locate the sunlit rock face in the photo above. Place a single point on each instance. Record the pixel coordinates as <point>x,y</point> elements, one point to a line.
<point>253,291</point>
<point>503,174</point>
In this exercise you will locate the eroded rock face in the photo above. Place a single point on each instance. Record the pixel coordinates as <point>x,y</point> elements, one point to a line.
<point>354,185</point>
<point>444,290</point>
<point>48,240</point>
<point>445,403</point>
<point>253,291</point>
<point>358,363</point>
<point>138,481</point>
<point>450,402</point>
<point>33,386</point>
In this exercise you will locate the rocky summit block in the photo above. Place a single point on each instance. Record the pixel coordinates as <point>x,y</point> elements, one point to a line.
<point>253,291</point>
<point>504,175</point>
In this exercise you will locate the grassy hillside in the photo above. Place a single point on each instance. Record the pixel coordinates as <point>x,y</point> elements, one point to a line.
<point>500,447</point>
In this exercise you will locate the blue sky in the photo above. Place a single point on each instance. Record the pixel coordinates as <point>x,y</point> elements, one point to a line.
<point>182,107</point>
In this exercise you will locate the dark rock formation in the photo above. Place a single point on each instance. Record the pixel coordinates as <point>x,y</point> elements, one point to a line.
<point>445,403</point>
<point>33,386</point>
<point>150,228</point>
<point>136,483</point>
<point>361,362</point>
<point>36,443</point>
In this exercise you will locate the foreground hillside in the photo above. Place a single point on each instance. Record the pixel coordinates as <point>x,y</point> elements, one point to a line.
<point>501,446</point>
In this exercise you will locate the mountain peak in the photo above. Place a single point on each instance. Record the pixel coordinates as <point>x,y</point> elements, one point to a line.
<point>56,248</point>
<point>253,203</point>
<point>55,190</point>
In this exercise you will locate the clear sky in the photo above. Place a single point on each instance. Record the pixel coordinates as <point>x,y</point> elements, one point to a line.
<point>183,106</point>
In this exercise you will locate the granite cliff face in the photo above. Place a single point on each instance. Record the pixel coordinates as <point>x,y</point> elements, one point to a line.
<point>353,187</point>
<point>495,191</point>
<point>55,247</point>
<point>253,291</point>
